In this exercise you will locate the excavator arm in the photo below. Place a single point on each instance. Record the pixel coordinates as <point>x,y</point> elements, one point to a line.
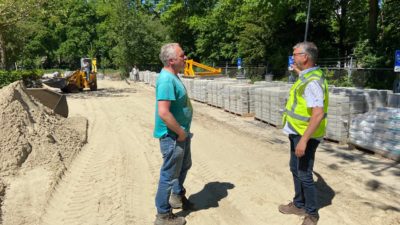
<point>189,72</point>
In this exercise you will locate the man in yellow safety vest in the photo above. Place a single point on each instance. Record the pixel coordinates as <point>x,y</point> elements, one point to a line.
<point>304,121</point>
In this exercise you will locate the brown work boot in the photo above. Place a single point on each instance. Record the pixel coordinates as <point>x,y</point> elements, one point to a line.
<point>310,220</point>
<point>291,209</point>
<point>169,219</point>
<point>180,202</point>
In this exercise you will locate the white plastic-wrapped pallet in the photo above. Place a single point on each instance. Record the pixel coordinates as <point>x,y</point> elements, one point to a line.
<point>378,131</point>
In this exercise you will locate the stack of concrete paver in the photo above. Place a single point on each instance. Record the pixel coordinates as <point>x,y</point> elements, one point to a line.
<point>241,99</point>
<point>188,83</point>
<point>270,103</point>
<point>343,106</point>
<point>211,93</point>
<point>375,98</point>
<point>223,91</point>
<point>146,76</point>
<point>258,105</point>
<point>153,79</point>
<point>200,90</point>
<point>231,102</point>
<point>222,95</point>
<point>393,100</point>
<point>378,130</point>
<point>214,91</point>
<point>142,74</point>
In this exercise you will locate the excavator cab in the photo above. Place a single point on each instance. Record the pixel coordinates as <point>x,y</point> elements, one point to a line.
<point>190,73</point>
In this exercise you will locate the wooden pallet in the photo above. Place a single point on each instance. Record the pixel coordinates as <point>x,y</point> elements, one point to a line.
<point>340,142</point>
<point>204,102</point>
<point>241,115</point>
<point>386,154</point>
<point>214,106</point>
<point>266,122</point>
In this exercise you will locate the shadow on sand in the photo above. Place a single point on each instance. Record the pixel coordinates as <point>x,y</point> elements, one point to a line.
<point>208,197</point>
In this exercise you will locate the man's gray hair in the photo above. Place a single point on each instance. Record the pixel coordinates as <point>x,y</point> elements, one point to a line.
<point>309,48</point>
<point>168,52</point>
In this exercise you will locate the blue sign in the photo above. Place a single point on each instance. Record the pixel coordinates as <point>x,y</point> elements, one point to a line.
<point>397,61</point>
<point>290,62</point>
<point>239,63</point>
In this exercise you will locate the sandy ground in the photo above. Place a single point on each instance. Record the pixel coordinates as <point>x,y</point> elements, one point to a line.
<point>239,176</point>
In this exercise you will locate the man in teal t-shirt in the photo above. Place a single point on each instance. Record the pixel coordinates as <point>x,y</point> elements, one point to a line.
<point>173,117</point>
<point>170,88</point>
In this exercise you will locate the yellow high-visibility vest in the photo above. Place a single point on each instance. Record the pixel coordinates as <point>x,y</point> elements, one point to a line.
<point>297,114</point>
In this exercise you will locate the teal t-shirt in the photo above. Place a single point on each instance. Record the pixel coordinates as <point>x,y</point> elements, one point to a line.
<point>170,88</point>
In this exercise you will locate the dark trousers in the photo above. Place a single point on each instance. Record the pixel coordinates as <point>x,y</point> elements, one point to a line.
<point>302,171</point>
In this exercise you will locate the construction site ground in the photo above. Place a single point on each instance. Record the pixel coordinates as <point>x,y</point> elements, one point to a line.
<point>240,171</point>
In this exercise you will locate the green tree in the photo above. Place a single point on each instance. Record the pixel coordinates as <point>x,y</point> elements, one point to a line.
<point>74,25</point>
<point>13,12</point>
<point>137,34</point>
<point>217,33</point>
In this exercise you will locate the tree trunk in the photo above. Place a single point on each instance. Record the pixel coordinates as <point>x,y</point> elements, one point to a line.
<point>373,20</point>
<point>2,52</point>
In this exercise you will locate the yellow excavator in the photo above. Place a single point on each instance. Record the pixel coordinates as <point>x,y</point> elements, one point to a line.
<point>72,83</point>
<point>190,73</point>
<point>85,77</point>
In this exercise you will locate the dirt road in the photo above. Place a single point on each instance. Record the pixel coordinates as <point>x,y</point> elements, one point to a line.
<point>239,176</point>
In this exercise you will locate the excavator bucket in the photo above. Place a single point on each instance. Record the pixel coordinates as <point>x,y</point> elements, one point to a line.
<point>53,100</point>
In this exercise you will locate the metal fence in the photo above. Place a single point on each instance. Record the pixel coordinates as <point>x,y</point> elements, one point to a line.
<point>378,78</point>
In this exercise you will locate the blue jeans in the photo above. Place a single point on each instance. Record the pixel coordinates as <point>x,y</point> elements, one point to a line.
<point>176,163</point>
<point>305,196</point>
<point>87,71</point>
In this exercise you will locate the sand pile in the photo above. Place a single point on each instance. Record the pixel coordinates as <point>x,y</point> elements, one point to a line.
<point>32,136</point>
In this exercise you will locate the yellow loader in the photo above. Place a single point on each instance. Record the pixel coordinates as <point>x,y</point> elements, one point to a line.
<point>86,77</point>
<point>82,78</point>
<point>72,83</point>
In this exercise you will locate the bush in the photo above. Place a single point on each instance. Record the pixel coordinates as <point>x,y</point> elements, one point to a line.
<point>31,78</point>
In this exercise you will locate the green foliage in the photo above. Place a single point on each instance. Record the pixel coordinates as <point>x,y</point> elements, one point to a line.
<point>339,80</point>
<point>367,55</point>
<point>27,76</point>
<point>124,33</point>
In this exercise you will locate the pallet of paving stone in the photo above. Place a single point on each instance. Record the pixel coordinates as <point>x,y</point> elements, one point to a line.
<point>214,106</point>
<point>210,92</point>
<point>339,142</point>
<point>200,90</point>
<point>378,131</point>
<point>387,154</point>
<point>375,98</point>
<point>196,100</point>
<point>393,100</point>
<point>188,83</point>
<point>240,114</point>
<point>231,96</point>
<point>266,122</point>
<point>222,94</point>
